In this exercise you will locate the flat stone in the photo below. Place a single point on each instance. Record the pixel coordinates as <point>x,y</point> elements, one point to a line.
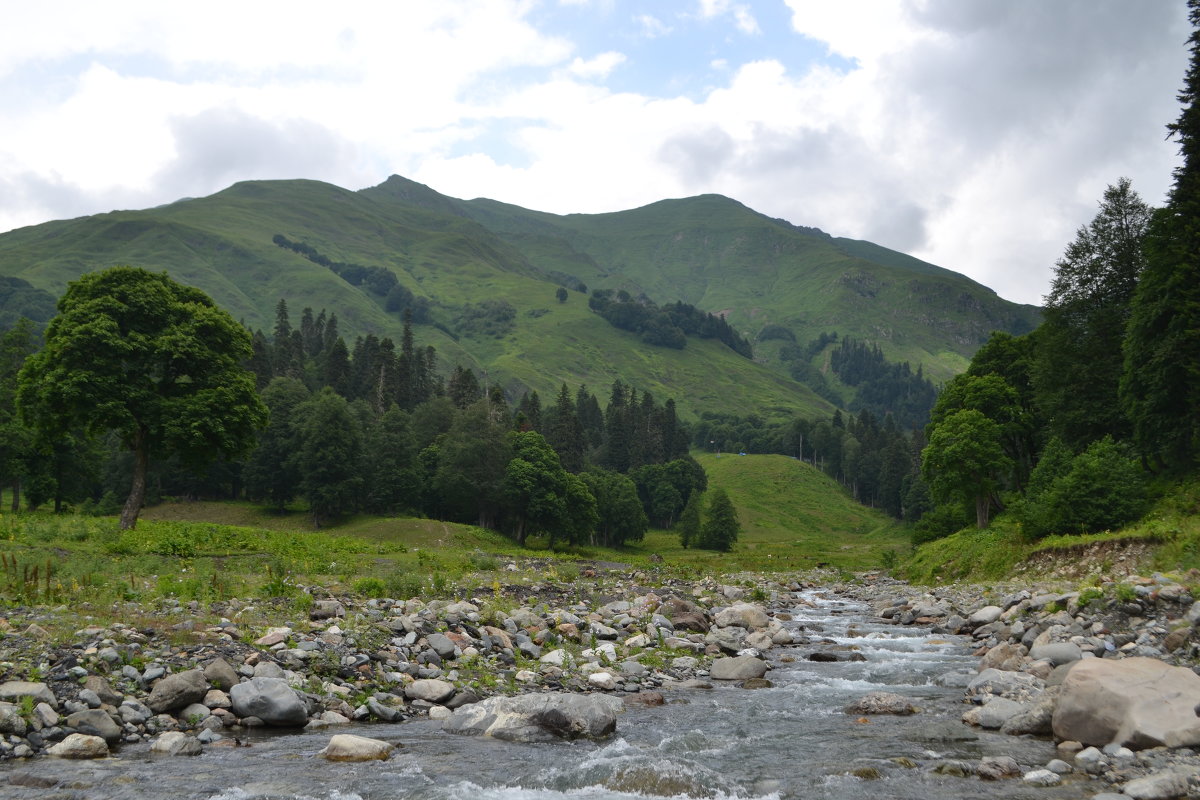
<point>40,692</point>
<point>882,703</point>
<point>95,722</point>
<point>429,689</point>
<point>538,717</point>
<point>1164,785</point>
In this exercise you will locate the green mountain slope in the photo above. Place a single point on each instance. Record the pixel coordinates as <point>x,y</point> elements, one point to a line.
<point>709,251</point>
<point>223,244</point>
<point>717,254</point>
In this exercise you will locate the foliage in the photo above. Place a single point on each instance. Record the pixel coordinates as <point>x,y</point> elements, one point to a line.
<point>135,352</point>
<point>883,387</point>
<point>721,527</point>
<point>1101,488</point>
<point>964,460</point>
<point>1160,386</point>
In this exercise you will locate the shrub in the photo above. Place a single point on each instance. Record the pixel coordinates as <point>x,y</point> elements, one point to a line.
<point>1099,489</point>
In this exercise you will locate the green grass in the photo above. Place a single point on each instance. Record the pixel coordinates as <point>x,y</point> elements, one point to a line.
<point>793,517</point>
<point>1171,528</point>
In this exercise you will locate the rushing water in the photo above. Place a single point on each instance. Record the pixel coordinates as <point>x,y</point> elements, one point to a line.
<point>789,741</point>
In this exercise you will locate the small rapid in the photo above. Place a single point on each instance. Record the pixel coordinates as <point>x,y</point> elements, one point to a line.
<point>791,740</point>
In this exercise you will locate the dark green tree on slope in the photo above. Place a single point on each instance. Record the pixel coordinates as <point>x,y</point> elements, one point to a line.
<point>1160,387</point>
<point>157,363</point>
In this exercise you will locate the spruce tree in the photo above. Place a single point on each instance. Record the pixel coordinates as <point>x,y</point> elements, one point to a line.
<point>1160,387</point>
<point>721,526</point>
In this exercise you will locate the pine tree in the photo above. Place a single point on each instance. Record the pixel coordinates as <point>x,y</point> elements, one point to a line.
<point>1160,387</point>
<point>688,524</point>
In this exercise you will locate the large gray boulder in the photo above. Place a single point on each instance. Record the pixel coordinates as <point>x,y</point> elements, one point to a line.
<point>742,615</point>
<point>95,722</point>
<point>538,717</point>
<point>11,721</point>
<point>431,690</point>
<point>176,743</point>
<point>269,699</point>
<point>1134,702</point>
<point>739,668</point>
<point>178,690</point>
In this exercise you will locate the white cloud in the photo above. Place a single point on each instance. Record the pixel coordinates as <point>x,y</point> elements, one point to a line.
<point>975,135</point>
<point>598,67</point>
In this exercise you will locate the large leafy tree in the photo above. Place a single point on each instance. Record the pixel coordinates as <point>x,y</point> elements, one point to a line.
<point>1160,387</point>
<point>1079,361</point>
<point>621,518</point>
<point>156,362</point>
<point>965,460</point>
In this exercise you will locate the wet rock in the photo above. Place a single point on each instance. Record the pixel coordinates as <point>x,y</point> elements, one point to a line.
<point>882,703</point>
<point>80,745</point>
<point>175,743</point>
<point>738,668</point>
<point>538,717</point>
<point>1042,777</point>
<point>347,747</point>
<point>836,656</point>
<point>995,768</point>
<point>269,699</point>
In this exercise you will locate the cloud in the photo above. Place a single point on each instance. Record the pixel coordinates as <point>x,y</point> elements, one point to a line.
<point>651,26</point>
<point>598,67</point>
<point>743,17</point>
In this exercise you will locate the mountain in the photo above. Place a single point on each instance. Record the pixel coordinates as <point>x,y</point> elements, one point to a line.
<point>485,274</point>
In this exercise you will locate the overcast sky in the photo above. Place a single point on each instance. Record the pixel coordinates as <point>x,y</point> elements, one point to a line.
<point>975,134</point>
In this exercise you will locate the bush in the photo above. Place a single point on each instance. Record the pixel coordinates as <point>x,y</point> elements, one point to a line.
<point>1101,488</point>
<point>941,522</point>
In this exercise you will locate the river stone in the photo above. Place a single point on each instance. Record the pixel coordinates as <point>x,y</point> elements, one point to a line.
<point>11,721</point>
<point>220,674</point>
<point>994,768</point>
<point>729,639</point>
<point>269,699</point>
<point>985,615</point>
<point>538,717</point>
<point>40,692</point>
<point>177,690</point>
<point>882,703</point>
<point>429,689</point>
<point>997,711</point>
<point>1057,653</point>
<point>441,644</point>
<point>1042,777</point>
<point>738,668</point>
<point>1006,656</point>
<point>348,747</point>
<point>1136,702</point>
<point>690,621</point>
<point>103,690</point>
<point>95,722</point>
<point>742,615</point>
<point>602,680</point>
<point>1036,719</point>
<point>176,743</point>
<point>1013,685</point>
<point>80,745</point>
<point>1163,785</point>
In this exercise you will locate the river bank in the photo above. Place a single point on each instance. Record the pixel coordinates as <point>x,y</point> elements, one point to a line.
<point>349,663</point>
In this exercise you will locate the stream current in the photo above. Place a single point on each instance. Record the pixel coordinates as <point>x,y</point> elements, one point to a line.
<point>789,741</point>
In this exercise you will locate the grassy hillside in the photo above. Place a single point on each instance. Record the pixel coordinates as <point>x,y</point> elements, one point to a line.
<point>717,254</point>
<point>792,516</point>
<point>709,251</point>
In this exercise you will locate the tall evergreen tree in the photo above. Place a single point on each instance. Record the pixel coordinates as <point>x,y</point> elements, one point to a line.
<point>564,432</point>
<point>721,525</point>
<point>1079,361</point>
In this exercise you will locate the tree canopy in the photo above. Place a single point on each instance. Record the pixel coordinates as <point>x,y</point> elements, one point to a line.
<point>156,362</point>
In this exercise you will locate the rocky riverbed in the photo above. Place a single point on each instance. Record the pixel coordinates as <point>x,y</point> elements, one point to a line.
<point>192,678</point>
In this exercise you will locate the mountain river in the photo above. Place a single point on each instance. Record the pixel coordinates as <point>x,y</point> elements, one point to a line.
<point>789,741</point>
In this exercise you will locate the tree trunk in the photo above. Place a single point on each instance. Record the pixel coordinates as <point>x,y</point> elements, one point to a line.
<point>137,492</point>
<point>982,505</point>
<point>16,495</point>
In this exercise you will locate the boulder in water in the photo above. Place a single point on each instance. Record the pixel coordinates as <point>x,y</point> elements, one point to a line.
<point>882,703</point>
<point>538,717</point>
<point>269,699</point>
<point>347,747</point>
<point>739,668</point>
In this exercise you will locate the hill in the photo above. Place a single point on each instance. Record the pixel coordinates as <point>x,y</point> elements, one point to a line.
<point>484,276</point>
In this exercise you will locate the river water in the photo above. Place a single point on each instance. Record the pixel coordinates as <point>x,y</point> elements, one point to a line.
<point>789,741</point>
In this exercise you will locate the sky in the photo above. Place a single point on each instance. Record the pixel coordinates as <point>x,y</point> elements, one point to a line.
<point>978,135</point>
